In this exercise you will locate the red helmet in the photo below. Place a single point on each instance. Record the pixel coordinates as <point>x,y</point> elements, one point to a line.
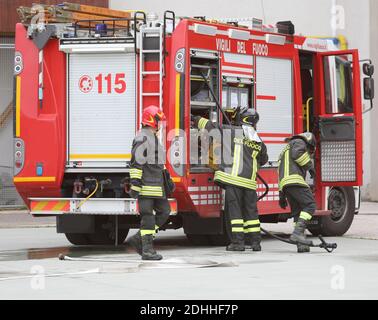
<point>151,116</point>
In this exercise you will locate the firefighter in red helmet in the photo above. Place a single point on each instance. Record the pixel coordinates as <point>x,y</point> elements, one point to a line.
<point>150,182</point>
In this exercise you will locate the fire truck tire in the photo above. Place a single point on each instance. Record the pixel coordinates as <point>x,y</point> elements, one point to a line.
<point>223,239</point>
<point>342,203</point>
<point>104,234</point>
<point>219,239</point>
<point>107,238</point>
<point>77,239</point>
<point>198,239</point>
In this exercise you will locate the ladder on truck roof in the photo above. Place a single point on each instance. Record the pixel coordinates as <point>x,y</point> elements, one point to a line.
<point>146,34</point>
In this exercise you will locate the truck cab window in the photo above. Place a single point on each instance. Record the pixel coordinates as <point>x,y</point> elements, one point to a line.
<point>338,79</point>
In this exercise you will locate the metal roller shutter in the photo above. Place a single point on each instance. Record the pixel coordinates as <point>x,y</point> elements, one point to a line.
<point>101,124</point>
<point>274,93</point>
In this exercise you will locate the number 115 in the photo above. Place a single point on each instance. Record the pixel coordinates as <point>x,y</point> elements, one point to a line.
<point>119,83</point>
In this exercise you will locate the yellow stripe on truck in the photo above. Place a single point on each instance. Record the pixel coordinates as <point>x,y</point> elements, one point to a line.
<point>177,105</point>
<point>34,179</point>
<point>18,106</point>
<point>40,205</point>
<point>59,206</point>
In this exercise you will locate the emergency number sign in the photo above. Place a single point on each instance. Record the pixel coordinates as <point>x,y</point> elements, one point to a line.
<point>101,106</point>
<point>115,83</point>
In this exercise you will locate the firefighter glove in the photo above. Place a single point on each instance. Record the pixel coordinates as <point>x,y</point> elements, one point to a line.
<point>133,194</point>
<point>170,185</point>
<point>282,201</point>
<point>192,121</point>
<point>312,173</point>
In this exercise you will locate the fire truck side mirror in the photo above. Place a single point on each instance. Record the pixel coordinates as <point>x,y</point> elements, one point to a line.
<point>369,88</point>
<point>368,69</point>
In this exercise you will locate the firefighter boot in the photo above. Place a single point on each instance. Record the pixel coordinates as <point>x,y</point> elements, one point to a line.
<point>301,248</point>
<point>299,233</point>
<point>136,242</point>
<point>148,251</point>
<point>256,241</point>
<point>237,243</point>
<point>247,239</point>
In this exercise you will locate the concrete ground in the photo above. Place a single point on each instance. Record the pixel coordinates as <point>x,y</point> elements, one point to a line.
<point>30,269</point>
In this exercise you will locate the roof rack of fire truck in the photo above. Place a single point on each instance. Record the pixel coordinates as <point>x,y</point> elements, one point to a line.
<point>251,23</point>
<point>115,23</point>
<point>98,31</point>
<point>76,23</point>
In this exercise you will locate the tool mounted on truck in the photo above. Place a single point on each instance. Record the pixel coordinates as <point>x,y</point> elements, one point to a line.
<point>82,82</point>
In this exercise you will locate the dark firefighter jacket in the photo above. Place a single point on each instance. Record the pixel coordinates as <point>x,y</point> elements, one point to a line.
<point>148,175</point>
<point>241,157</point>
<point>294,162</point>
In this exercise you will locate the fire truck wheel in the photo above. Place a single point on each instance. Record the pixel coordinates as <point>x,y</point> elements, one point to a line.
<point>223,239</point>
<point>104,232</point>
<point>219,239</point>
<point>77,239</point>
<point>198,239</point>
<point>342,203</point>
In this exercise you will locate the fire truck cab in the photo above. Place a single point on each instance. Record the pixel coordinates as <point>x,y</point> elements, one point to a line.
<point>80,92</point>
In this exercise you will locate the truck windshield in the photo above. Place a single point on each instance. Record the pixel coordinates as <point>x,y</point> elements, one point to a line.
<point>338,79</point>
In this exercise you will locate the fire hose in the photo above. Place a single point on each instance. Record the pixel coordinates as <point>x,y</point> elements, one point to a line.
<point>329,247</point>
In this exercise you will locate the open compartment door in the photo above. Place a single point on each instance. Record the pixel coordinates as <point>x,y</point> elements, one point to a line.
<point>340,119</point>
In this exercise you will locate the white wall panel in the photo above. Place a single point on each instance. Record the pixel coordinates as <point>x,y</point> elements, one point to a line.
<point>274,91</point>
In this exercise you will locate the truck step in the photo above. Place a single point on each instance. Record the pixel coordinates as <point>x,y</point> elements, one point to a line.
<point>91,206</point>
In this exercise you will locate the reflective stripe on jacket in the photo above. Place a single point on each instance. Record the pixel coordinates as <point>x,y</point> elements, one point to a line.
<point>147,165</point>
<point>294,161</point>
<point>241,157</point>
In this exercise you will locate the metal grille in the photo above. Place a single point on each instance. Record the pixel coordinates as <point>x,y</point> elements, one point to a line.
<point>338,161</point>
<point>9,196</point>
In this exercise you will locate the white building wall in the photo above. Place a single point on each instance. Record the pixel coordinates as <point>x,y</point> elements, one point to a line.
<point>310,18</point>
<point>372,185</point>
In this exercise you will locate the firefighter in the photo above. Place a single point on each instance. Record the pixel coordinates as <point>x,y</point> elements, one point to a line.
<point>243,154</point>
<point>150,182</point>
<point>294,162</point>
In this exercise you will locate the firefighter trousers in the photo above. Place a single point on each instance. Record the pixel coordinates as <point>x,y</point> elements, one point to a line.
<point>241,209</point>
<point>150,222</point>
<point>302,202</point>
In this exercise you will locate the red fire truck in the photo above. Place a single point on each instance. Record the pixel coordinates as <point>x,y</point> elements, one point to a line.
<point>80,91</point>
